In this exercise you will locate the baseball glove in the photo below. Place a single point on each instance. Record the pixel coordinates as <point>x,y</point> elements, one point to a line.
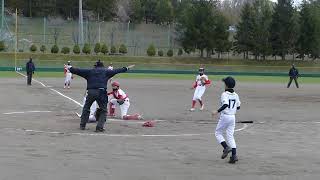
<point>120,101</point>
<point>203,81</point>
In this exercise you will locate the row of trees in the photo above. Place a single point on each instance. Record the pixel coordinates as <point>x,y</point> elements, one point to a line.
<point>279,30</point>
<point>151,51</point>
<point>64,8</point>
<point>157,11</point>
<point>150,11</point>
<point>98,48</point>
<point>202,26</point>
<point>265,29</point>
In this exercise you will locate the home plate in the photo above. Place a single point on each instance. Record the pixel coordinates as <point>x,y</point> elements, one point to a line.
<point>128,121</point>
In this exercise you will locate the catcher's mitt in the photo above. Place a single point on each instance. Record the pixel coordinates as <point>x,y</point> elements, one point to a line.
<point>120,101</point>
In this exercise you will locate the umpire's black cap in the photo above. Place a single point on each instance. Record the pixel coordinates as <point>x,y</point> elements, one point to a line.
<point>99,64</point>
<point>229,81</point>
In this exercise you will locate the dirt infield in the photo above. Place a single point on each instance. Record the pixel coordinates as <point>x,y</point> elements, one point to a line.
<point>40,137</point>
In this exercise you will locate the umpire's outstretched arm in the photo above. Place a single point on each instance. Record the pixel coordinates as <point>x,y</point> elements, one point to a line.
<point>80,72</point>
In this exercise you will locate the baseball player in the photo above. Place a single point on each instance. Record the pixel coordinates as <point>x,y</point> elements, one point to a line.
<point>200,87</point>
<point>93,109</point>
<point>230,103</point>
<point>120,99</point>
<point>68,75</point>
<point>110,67</point>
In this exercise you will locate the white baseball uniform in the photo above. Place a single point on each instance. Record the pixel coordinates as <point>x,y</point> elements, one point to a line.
<point>120,94</point>
<point>200,87</point>
<point>227,118</point>
<point>68,75</point>
<point>110,68</point>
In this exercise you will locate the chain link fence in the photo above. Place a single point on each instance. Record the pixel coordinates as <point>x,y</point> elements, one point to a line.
<point>65,33</point>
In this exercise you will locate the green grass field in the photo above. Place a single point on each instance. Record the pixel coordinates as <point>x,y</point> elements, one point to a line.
<point>269,79</point>
<point>159,63</point>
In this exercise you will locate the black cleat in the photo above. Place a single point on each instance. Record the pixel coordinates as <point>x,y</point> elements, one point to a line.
<point>233,159</point>
<point>99,130</point>
<point>225,153</point>
<point>82,128</point>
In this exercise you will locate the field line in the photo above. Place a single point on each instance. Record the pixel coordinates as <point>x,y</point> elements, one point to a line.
<point>119,135</point>
<point>76,102</point>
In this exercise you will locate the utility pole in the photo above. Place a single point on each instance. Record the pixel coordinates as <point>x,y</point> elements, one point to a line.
<point>44,30</point>
<point>2,13</point>
<point>80,23</point>
<point>99,30</point>
<point>128,33</point>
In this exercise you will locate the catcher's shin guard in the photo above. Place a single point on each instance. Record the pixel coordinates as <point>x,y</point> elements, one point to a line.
<point>111,110</point>
<point>132,117</point>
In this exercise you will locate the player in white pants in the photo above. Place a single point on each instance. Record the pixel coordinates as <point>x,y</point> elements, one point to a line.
<point>68,75</point>
<point>200,87</point>
<point>230,103</point>
<point>93,110</point>
<point>120,99</point>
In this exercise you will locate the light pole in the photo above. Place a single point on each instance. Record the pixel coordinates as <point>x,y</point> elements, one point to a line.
<point>80,23</point>
<point>128,33</point>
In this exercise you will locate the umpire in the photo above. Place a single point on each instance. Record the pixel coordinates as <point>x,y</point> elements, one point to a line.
<point>30,70</point>
<point>97,79</point>
<point>293,74</point>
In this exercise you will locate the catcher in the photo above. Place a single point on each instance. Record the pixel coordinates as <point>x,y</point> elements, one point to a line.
<point>120,99</point>
<point>200,87</point>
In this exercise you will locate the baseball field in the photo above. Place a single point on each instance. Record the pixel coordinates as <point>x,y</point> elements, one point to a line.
<point>40,136</point>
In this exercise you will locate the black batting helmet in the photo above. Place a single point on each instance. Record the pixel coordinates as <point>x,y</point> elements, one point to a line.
<point>229,81</point>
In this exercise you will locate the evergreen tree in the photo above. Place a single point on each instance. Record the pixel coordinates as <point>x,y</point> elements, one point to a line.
<point>244,38</point>
<point>283,28</point>
<point>221,35</point>
<point>137,11</point>
<point>261,29</point>
<point>164,12</point>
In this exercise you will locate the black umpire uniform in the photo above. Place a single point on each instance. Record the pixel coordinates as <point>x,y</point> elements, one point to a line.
<point>293,74</point>
<point>97,79</point>
<point>30,70</point>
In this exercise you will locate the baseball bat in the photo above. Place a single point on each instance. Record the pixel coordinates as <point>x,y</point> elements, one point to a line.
<point>245,122</point>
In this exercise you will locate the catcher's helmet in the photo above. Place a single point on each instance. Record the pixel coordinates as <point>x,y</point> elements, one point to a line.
<point>201,69</point>
<point>115,83</point>
<point>229,81</point>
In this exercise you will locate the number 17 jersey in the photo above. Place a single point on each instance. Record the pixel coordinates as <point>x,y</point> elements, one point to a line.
<point>233,102</point>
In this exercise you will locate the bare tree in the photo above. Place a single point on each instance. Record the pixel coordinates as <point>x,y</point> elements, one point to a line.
<point>56,34</point>
<point>90,33</point>
<point>75,36</point>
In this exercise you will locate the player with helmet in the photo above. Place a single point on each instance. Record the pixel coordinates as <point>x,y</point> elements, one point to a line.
<point>68,75</point>
<point>120,99</point>
<point>200,87</point>
<point>230,103</point>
